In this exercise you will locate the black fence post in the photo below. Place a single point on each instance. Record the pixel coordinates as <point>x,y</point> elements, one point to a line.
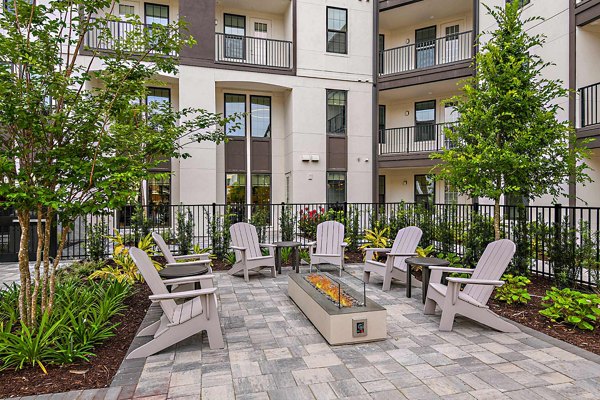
<point>557,223</point>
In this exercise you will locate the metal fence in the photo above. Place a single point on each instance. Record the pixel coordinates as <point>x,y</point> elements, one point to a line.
<point>588,97</point>
<point>445,50</point>
<point>253,51</point>
<point>550,239</point>
<point>414,139</point>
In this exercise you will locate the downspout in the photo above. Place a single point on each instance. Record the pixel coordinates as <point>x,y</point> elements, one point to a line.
<point>375,103</point>
<point>572,89</point>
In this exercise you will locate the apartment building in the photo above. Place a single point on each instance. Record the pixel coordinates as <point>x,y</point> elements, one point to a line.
<point>426,48</point>
<point>302,70</point>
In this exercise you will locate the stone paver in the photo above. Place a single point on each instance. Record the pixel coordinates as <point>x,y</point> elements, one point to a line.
<point>273,352</point>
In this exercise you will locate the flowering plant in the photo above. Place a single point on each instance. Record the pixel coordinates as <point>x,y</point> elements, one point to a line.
<point>309,219</point>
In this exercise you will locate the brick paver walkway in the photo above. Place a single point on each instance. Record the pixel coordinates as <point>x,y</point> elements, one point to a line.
<point>273,352</point>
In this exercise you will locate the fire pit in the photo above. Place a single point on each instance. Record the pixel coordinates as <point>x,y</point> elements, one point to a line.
<point>340,313</point>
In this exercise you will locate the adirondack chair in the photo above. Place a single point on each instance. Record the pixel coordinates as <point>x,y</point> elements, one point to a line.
<point>178,321</point>
<point>329,246</point>
<point>404,246</point>
<point>172,260</point>
<point>471,301</point>
<point>247,251</point>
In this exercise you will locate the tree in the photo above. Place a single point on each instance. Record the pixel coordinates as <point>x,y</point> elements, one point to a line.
<point>76,135</point>
<point>508,140</point>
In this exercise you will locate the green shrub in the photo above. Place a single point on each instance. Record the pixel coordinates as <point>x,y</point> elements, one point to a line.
<point>286,221</point>
<point>572,307</point>
<point>218,231</point>
<point>514,290</point>
<point>229,258</point>
<point>479,234</point>
<point>185,231</point>
<point>309,220</point>
<point>399,219</point>
<point>260,219</point>
<point>81,320</point>
<point>97,241</point>
<point>352,229</point>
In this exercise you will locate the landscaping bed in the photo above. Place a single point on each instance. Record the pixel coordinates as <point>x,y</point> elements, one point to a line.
<point>97,373</point>
<point>528,315</point>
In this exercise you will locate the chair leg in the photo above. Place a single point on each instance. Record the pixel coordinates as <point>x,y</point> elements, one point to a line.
<point>447,320</point>
<point>273,272</point>
<point>366,276</point>
<point>387,282</point>
<point>150,330</point>
<point>429,308</point>
<point>246,277</point>
<point>215,336</point>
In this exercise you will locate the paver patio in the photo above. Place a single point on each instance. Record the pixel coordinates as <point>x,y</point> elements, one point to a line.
<point>273,352</point>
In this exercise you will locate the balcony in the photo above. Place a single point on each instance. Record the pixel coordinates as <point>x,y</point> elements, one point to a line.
<point>114,35</point>
<point>588,97</point>
<point>446,50</point>
<point>253,51</point>
<point>424,138</point>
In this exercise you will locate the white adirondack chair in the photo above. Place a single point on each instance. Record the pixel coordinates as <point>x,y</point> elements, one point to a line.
<point>329,246</point>
<point>248,256</point>
<point>172,260</point>
<point>471,301</point>
<point>178,321</point>
<point>404,246</point>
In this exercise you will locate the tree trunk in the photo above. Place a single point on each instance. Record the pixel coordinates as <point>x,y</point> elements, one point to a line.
<point>47,236</point>
<point>61,246</point>
<point>25,289</point>
<point>38,262</point>
<point>496,219</point>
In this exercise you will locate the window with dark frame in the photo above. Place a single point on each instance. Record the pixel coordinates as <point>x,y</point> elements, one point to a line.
<point>159,199</point>
<point>235,32</point>
<point>425,43</point>
<point>156,14</point>
<point>381,48</point>
<point>424,189</point>
<point>522,3</point>
<point>260,116</point>
<point>425,121</point>
<point>336,187</point>
<point>337,30</point>
<point>336,111</point>
<point>382,123</point>
<point>235,103</point>
<point>381,189</point>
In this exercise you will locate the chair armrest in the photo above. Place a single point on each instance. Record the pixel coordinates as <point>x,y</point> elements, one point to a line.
<point>187,263</point>
<point>475,281</point>
<point>182,295</point>
<point>402,254</point>
<point>191,256</point>
<point>344,244</point>
<point>238,248</point>
<point>452,269</point>
<point>378,250</point>
<point>187,279</point>
<point>311,243</point>
<point>267,245</point>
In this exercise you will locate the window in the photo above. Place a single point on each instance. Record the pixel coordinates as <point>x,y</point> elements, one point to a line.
<point>425,121</point>
<point>450,194</point>
<point>381,48</point>
<point>156,14</point>
<point>235,30</point>
<point>381,189</point>
<point>260,27</point>
<point>425,47</point>
<point>235,188</point>
<point>235,103</point>
<point>382,124</point>
<point>337,30</point>
<point>125,10</point>
<point>336,187</point>
<point>424,189</point>
<point>261,189</point>
<point>159,200</point>
<point>336,111</point>
<point>8,5</point>
<point>522,3</point>
<point>515,202</point>
<point>260,116</point>
<point>452,32</point>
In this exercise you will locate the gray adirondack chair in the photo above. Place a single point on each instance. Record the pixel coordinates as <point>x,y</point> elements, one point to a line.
<point>178,321</point>
<point>471,301</point>
<point>172,260</point>
<point>248,255</point>
<point>329,246</point>
<point>404,246</point>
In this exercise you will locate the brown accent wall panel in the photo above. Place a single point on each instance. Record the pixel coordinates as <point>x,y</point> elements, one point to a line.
<point>235,155</point>
<point>200,18</point>
<point>587,12</point>
<point>261,155</point>
<point>337,153</point>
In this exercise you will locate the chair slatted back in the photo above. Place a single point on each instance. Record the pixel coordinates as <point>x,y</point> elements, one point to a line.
<point>153,280</point>
<point>406,242</point>
<point>491,265</point>
<point>330,236</point>
<point>164,248</point>
<point>244,235</point>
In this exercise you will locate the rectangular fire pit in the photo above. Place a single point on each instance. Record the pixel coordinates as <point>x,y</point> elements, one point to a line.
<point>349,318</point>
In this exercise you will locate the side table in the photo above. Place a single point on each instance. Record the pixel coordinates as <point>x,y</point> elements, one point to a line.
<point>425,263</point>
<point>295,246</point>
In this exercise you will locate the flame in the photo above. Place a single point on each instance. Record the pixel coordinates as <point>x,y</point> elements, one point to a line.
<point>330,289</point>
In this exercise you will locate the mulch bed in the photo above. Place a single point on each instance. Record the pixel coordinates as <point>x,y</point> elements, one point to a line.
<point>529,316</point>
<point>97,373</point>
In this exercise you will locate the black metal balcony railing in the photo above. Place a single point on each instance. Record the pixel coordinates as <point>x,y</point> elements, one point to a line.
<point>414,139</point>
<point>107,37</point>
<point>445,50</point>
<point>253,51</point>
<point>588,97</point>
